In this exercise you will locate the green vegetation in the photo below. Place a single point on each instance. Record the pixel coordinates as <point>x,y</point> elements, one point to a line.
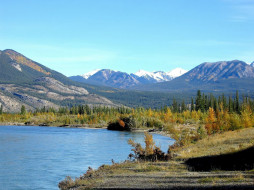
<point>23,110</point>
<point>1,110</point>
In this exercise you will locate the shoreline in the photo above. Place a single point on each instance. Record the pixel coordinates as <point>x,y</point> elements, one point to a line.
<point>86,126</point>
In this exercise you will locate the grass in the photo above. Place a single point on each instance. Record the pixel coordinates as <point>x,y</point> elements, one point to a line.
<point>214,180</point>
<point>217,144</point>
<point>149,167</point>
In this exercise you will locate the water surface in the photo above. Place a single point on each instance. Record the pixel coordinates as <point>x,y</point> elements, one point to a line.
<point>40,157</point>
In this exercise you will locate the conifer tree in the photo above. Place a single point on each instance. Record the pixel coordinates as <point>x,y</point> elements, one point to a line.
<point>23,110</point>
<point>202,105</point>
<point>237,104</point>
<point>198,100</point>
<point>175,106</point>
<point>192,105</point>
<point>230,105</point>
<point>183,106</point>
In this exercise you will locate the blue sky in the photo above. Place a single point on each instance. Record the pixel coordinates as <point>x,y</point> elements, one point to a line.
<point>74,37</point>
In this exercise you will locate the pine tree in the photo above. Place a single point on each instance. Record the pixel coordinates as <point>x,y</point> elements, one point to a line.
<point>192,105</point>
<point>23,110</point>
<point>230,105</point>
<point>224,101</point>
<point>202,106</point>
<point>198,100</point>
<point>183,106</point>
<point>237,104</point>
<point>1,109</point>
<point>175,106</point>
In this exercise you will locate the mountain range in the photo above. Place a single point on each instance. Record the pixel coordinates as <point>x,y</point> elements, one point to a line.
<point>222,76</point>
<point>210,76</point>
<point>124,80</point>
<point>26,82</point>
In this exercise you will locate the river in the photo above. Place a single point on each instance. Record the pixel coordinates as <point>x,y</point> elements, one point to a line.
<point>40,157</point>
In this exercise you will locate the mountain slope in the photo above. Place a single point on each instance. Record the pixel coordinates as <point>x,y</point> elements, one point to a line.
<point>220,70</point>
<point>25,82</point>
<point>114,78</point>
<point>224,76</point>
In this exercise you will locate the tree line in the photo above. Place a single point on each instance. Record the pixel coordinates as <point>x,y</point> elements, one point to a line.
<point>206,113</point>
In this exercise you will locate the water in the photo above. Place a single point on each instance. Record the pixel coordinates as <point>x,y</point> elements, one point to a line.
<point>40,157</point>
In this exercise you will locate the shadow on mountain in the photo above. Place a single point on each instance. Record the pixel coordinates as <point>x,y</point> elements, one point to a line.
<point>241,160</point>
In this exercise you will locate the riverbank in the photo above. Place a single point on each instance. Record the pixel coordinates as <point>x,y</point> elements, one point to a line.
<point>87,126</point>
<point>174,174</point>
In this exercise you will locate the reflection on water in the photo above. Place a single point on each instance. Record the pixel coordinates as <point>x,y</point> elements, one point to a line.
<point>40,157</point>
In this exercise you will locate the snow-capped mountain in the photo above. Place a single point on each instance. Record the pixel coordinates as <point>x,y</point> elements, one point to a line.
<point>252,64</point>
<point>221,76</point>
<point>124,80</point>
<point>161,76</point>
<point>89,74</point>
<point>177,72</point>
<point>158,76</point>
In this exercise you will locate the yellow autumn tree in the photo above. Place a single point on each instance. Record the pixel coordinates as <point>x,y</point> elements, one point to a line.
<point>167,115</point>
<point>246,117</point>
<point>210,121</point>
<point>150,145</point>
<point>150,112</point>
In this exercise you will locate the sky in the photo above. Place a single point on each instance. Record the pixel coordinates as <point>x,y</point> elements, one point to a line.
<point>78,36</point>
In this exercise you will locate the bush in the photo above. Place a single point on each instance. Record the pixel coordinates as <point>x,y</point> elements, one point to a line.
<point>149,153</point>
<point>66,183</point>
<point>123,124</point>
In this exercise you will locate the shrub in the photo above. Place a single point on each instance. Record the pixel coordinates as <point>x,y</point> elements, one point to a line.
<point>123,124</point>
<point>149,153</point>
<point>66,183</point>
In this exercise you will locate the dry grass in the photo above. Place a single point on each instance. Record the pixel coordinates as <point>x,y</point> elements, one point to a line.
<point>217,144</point>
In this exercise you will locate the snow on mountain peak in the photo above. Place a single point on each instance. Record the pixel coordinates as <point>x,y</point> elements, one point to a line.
<point>91,73</point>
<point>176,72</point>
<point>142,73</point>
<point>157,76</point>
<point>161,76</point>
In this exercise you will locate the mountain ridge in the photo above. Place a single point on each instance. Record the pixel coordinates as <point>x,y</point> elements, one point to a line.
<point>124,80</point>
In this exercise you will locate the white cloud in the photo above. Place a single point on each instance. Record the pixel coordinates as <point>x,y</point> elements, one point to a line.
<point>243,10</point>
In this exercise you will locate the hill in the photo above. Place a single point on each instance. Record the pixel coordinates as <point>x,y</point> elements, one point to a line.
<point>26,82</point>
